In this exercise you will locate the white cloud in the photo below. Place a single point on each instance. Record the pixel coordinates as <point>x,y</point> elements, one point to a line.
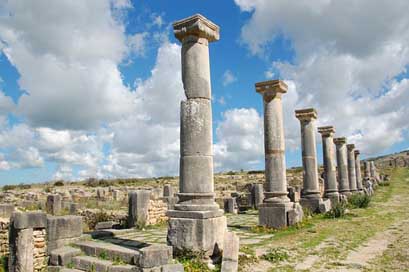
<point>347,55</point>
<point>228,78</point>
<point>69,67</point>
<point>239,140</point>
<point>137,43</point>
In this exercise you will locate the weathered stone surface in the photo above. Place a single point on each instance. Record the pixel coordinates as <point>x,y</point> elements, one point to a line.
<point>63,256</point>
<point>309,153</point>
<point>317,205</point>
<point>105,225</point>
<point>138,204</point>
<point>230,205</point>
<point>6,210</point>
<point>342,162</point>
<point>22,251</point>
<point>351,168</point>
<point>230,252</point>
<point>29,220</point>
<point>197,234</point>
<point>168,190</point>
<point>275,170</point>
<point>172,268</point>
<point>155,255</point>
<point>112,251</point>
<point>330,172</point>
<point>53,204</point>
<point>358,171</point>
<point>277,215</point>
<point>258,195</point>
<point>63,227</point>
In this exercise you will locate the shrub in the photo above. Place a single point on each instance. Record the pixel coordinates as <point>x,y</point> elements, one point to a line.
<point>359,201</point>
<point>3,264</point>
<point>337,211</point>
<point>59,183</point>
<point>192,261</point>
<point>276,255</point>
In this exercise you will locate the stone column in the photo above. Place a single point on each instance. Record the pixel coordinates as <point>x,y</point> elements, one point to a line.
<point>358,171</point>
<point>138,205</point>
<point>351,168</point>
<point>367,169</point>
<point>330,169</point>
<point>342,162</point>
<point>276,206</point>
<point>310,197</point>
<point>197,223</point>
<point>53,204</point>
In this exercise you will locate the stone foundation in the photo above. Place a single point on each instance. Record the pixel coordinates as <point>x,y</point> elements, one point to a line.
<point>4,236</point>
<point>197,235</point>
<point>280,215</point>
<point>157,211</point>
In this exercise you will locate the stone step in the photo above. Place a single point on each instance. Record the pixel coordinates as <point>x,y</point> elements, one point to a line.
<point>109,251</point>
<point>70,270</point>
<point>88,263</point>
<point>63,256</point>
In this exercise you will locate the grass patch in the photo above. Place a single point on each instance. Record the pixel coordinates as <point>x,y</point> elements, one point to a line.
<point>359,201</point>
<point>4,264</point>
<point>193,261</point>
<point>276,255</point>
<point>337,211</point>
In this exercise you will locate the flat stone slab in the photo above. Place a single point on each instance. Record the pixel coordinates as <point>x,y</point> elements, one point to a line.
<point>63,256</point>
<point>111,251</point>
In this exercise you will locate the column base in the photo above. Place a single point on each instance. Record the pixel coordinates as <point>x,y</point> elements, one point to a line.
<point>345,193</point>
<point>316,205</point>
<point>196,231</point>
<point>334,197</point>
<point>280,215</point>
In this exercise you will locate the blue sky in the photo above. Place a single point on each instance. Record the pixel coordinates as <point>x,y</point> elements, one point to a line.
<point>93,88</point>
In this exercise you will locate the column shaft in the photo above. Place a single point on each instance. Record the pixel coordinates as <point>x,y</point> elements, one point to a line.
<point>342,163</point>
<point>309,155</point>
<point>351,168</point>
<point>358,171</point>
<point>330,174</point>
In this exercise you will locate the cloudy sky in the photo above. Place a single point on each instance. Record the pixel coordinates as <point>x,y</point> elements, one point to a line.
<point>93,88</point>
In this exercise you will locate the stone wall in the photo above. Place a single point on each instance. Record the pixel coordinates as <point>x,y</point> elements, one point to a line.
<point>4,236</point>
<point>157,211</point>
<point>40,250</point>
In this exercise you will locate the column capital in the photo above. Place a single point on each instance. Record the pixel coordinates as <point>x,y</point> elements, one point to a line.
<point>357,152</point>
<point>350,147</point>
<point>306,114</point>
<point>197,26</point>
<point>271,88</point>
<point>326,131</point>
<point>340,140</point>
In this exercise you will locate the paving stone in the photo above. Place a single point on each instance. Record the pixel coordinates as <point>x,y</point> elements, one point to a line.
<point>63,256</point>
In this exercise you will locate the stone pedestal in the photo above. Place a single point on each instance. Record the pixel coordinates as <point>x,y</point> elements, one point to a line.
<point>330,170</point>
<point>196,223</point>
<point>359,185</point>
<point>351,168</point>
<point>138,204</point>
<point>258,195</point>
<point>276,207</point>
<point>310,197</point>
<point>53,204</point>
<point>342,162</point>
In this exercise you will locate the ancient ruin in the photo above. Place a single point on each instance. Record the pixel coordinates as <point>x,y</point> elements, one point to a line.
<point>310,197</point>
<point>277,210</point>
<point>196,223</point>
<point>330,169</point>
<point>342,163</point>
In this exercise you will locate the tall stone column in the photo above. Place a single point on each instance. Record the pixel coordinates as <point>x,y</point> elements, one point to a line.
<point>342,162</point>
<point>351,168</point>
<point>358,171</point>
<point>330,168</point>
<point>276,206</point>
<point>310,197</point>
<point>196,223</point>
<point>367,169</point>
